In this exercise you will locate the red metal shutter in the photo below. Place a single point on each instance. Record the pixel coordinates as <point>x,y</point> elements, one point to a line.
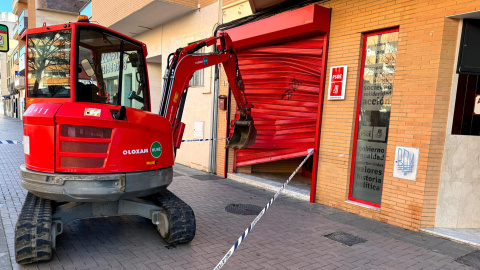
<point>282,82</point>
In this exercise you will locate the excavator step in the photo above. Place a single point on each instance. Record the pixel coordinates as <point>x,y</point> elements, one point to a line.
<point>181,224</point>
<point>33,235</point>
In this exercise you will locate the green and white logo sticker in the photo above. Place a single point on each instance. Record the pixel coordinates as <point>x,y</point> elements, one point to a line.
<point>156,149</point>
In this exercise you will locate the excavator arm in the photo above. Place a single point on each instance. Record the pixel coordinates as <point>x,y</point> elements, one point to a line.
<point>181,66</point>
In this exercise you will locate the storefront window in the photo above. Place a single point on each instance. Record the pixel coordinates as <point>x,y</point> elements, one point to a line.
<point>375,95</point>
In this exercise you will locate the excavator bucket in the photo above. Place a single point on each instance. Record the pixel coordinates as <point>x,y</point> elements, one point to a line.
<point>244,133</point>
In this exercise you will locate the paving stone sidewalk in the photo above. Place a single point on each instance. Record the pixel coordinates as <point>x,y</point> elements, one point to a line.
<point>289,236</point>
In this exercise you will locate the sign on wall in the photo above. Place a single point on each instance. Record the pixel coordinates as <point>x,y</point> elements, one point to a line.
<point>3,38</point>
<point>338,80</point>
<point>406,163</point>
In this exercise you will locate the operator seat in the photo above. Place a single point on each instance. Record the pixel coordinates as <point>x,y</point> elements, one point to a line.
<point>88,93</point>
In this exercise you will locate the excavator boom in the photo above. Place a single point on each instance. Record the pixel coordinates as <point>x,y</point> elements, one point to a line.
<point>181,66</point>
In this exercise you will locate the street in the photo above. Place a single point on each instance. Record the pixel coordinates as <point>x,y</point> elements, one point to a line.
<point>291,235</point>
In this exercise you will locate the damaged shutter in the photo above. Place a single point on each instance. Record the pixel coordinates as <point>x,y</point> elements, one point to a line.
<point>282,82</point>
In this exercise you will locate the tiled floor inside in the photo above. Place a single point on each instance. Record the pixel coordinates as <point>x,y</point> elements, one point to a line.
<point>298,187</point>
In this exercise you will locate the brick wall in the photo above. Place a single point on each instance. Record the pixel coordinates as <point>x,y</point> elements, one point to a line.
<point>424,70</point>
<point>440,114</point>
<point>230,13</point>
<point>222,127</point>
<point>31,14</point>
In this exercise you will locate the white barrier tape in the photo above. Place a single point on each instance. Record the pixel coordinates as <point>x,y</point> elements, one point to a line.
<point>242,237</point>
<point>203,140</point>
<point>9,142</point>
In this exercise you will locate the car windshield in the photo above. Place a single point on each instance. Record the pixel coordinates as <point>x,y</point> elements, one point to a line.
<point>110,70</point>
<point>48,64</point>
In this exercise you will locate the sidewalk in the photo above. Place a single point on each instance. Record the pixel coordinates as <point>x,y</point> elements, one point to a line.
<point>291,235</point>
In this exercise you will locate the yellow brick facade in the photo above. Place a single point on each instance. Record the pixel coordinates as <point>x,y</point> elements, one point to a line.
<point>232,10</point>
<point>420,103</point>
<point>222,128</point>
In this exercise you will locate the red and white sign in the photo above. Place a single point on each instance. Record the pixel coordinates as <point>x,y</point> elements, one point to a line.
<point>338,80</point>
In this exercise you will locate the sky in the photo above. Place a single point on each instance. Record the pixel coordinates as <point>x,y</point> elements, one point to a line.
<point>6,5</point>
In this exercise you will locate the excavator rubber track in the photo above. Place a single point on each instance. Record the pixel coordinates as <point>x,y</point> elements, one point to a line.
<point>33,235</point>
<point>181,219</point>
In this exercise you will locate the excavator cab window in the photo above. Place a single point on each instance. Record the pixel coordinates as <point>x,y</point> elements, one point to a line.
<point>48,64</point>
<point>111,70</point>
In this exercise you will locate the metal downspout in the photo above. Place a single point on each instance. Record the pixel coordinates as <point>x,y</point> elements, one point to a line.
<point>215,85</point>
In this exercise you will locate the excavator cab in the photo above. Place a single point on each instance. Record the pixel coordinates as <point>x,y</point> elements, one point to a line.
<point>83,62</point>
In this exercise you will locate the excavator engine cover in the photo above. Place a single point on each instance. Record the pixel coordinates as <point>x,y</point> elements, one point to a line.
<point>244,133</point>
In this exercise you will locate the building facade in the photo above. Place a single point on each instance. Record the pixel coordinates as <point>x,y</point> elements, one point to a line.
<point>397,137</point>
<point>32,14</point>
<point>9,20</point>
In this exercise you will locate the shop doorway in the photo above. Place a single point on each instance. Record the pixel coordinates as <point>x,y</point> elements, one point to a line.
<point>282,60</point>
<point>283,83</point>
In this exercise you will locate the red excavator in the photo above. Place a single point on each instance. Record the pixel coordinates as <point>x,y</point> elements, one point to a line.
<point>92,146</point>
